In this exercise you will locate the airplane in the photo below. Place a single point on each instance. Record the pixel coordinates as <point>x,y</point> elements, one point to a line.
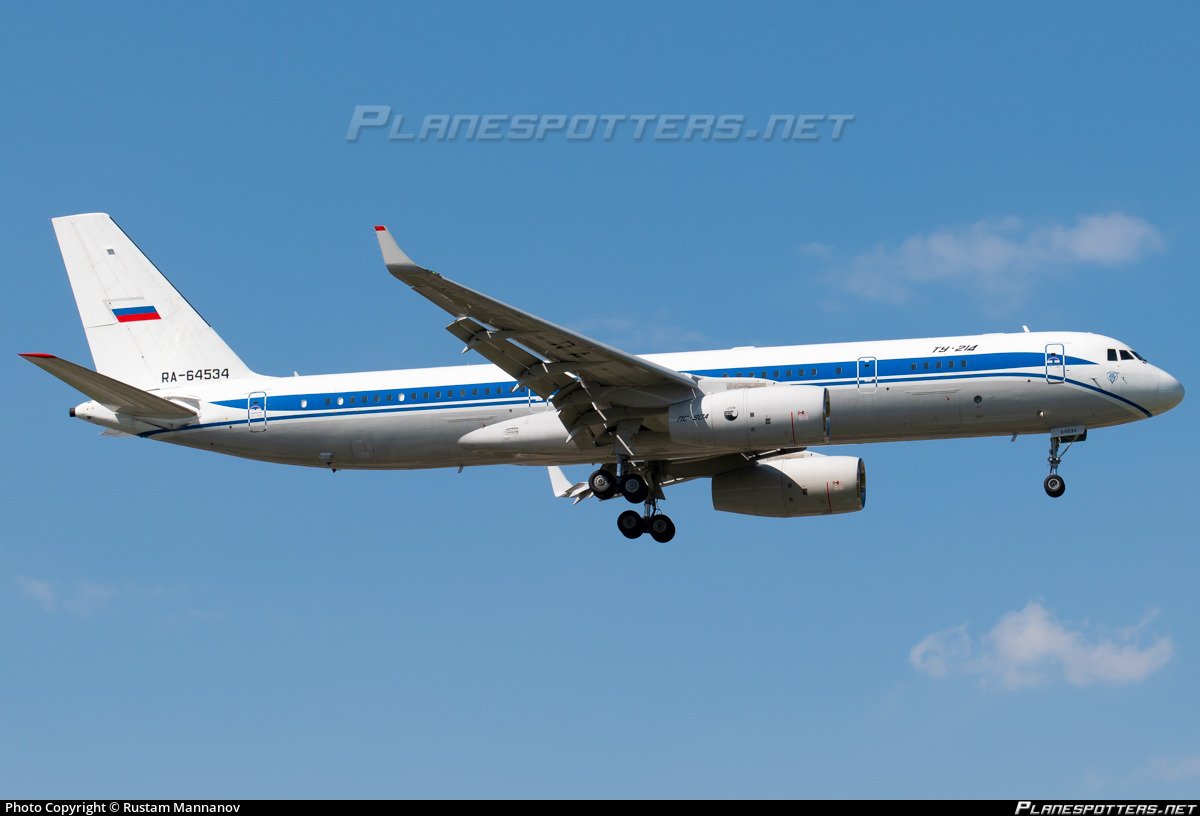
<point>748,419</point>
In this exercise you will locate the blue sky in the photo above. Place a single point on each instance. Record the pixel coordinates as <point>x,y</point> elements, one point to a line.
<point>175,624</point>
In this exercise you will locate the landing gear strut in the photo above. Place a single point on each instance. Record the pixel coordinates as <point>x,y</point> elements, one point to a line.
<point>1056,485</point>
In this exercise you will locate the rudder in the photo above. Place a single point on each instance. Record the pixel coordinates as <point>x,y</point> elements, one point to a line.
<point>141,331</point>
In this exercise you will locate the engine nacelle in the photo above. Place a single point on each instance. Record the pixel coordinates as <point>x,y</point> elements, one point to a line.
<point>776,416</point>
<point>807,485</point>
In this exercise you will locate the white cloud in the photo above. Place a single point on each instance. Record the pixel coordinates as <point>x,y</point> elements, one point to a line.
<point>40,592</point>
<point>1004,258</point>
<point>81,598</point>
<point>1173,769</point>
<point>1029,646</point>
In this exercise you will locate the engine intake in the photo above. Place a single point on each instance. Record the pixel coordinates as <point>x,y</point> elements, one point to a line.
<point>804,485</point>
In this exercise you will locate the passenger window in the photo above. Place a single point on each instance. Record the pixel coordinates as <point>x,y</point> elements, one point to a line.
<point>763,375</point>
<point>812,372</point>
<point>462,393</point>
<point>777,374</point>
<point>938,364</point>
<point>789,373</point>
<point>474,392</point>
<point>914,366</point>
<point>327,400</point>
<point>926,365</point>
<point>400,397</point>
<point>1125,355</point>
<point>950,364</point>
<point>437,394</point>
<point>377,398</point>
<point>303,403</point>
<point>425,395</point>
<point>963,363</point>
<point>1112,355</point>
<point>352,400</point>
<point>341,401</point>
<point>839,370</point>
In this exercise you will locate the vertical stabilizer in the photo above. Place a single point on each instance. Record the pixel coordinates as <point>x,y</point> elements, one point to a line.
<point>140,329</point>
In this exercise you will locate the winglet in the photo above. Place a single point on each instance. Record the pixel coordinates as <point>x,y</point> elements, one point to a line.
<point>393,255</point>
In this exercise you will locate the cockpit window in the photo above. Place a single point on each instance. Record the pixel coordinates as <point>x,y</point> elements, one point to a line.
<point>1112,355</point>
<point>1140,357</point>
<point>1125,355</point>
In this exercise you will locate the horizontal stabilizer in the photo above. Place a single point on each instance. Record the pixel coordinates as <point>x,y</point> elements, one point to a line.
<point>113,394</point>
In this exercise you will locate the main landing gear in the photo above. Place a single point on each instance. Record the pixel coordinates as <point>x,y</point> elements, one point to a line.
<point>632,524</point>
<point>631,485</point>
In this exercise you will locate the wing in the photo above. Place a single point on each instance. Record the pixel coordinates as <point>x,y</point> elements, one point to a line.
<point>594,386</point>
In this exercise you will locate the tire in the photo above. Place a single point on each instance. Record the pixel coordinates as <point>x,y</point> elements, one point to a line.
<point>662,529</point>
<point>603,484</point>
<point>634,488</point>
<point>631,524</point>
<point>1055,485</point>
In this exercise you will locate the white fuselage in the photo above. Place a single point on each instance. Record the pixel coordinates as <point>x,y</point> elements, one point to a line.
<point>934,388</point>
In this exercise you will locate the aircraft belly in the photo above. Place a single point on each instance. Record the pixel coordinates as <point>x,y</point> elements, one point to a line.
<point>983,407</point>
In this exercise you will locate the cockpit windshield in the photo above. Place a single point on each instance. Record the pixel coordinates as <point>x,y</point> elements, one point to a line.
<point>1124,354</point>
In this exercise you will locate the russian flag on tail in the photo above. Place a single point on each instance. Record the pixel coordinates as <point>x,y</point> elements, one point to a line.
<point>132,314</point>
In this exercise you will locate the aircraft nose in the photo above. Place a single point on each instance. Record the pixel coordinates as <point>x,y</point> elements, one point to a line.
<point>1170,392</point>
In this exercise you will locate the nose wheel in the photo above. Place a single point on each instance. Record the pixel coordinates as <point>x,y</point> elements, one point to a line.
<point>1055,485</point>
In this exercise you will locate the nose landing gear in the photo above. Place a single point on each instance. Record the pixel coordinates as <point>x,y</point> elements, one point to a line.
<point>1054,484</point>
